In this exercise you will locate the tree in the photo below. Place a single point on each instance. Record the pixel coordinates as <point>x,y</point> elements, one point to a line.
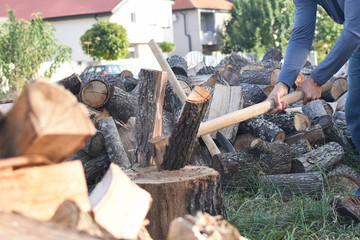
<point>167,47</point>
<point>24,46</point>
<point>258,24</point>
<point>105,40</point>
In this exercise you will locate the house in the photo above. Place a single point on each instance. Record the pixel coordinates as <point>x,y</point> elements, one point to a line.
<point>143,19</point>
<point>197,24</point>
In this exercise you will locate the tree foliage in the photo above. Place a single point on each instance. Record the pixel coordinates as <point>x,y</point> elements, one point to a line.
<point>258,24</point>
<point>105,40</point>
<point>167,47</point>
<point>24,46</point>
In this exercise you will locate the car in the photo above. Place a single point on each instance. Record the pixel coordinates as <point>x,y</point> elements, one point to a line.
<point>103,69</point>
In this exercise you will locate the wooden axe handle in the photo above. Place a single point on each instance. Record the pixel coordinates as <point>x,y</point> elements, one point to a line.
<point>244,114</point>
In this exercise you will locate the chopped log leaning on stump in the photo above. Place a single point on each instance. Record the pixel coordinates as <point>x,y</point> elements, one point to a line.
<point>47,120</point>
<point>149,112</point>
<point>209,142</point>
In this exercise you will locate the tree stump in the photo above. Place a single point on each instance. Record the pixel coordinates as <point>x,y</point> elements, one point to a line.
<point>177,193</point>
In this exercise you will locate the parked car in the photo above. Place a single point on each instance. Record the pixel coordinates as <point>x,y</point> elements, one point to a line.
<point>103,69</point>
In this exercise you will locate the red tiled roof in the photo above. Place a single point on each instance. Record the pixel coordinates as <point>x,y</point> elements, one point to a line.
<point>204,4</point>
<point>56,8</point>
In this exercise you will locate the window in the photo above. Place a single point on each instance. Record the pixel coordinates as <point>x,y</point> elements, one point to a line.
<point>133,18</point>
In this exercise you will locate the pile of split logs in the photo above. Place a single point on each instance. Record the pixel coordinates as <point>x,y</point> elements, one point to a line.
<point>155,152</point>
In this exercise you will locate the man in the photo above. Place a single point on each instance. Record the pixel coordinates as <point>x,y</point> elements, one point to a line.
<point>346,12</point>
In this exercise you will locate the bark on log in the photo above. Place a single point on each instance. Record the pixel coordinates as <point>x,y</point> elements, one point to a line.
<point>299,184</point>
<point>95,168</point>
<point>182,139</point>
<point>95,91</point>
<point>171,102</point>
<point>314,134</point>
<point>121,105</point>
<point>244,141</point>
<point>119,205</point>
<point>15,226</point>
<point>127,135</point>
<point>24,194</point>
<point>342,127</point>
<point>178,65</point>
<point>341,102</point>
<point>339,87</point>
<point>71,83</point>
<point>149,113</point>
<point>177,193</point>
<point>94,144</point>
<point>239,167</point>
<point>261,128</point>
<point>344,180</point>
<point>314,109</point>
<point>272,54</point>
<point>128,82</point>
<point>254,93</point>
<point>113,144</point>
<point>202,80</point>
<point>289,122</point>
<point>200,156</point>
<point>323,157</point>
<point>265,76</point>
<point>45,120</point>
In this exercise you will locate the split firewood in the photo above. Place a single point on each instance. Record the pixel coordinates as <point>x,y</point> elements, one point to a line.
<point>323,157</point>
<point>265,76</point>
<point>343,179</point>
<point>71,83</point>
<point>339,87</point>
<point>121,105</point>
<point>149,113</point>
<point>23,161</point>
<point>70,216</point>
<point>119,205</point>
<point>256,93</point>
<point>202,226</point>
<point>15,226</point>
<point>202,80</point>
<point>314,135</point>
<point>95,90</point>
<point>289,122</point>
<point>299,184</point>
<point>269,158</point>
<point>182,139</point>
<point>22,194</point>
<point>177,193</point>
<point>94,144</point>
<point>225,99</point>
<point>314,109</point>
<point>193,70</point>
<point>113,144</point>
<point>45,120</point>
<point>261,128</point>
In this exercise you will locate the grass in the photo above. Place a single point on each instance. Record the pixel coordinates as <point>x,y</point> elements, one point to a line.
<point>259,215</point>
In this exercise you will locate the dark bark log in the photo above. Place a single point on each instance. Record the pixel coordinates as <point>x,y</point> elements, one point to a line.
<point>343,179</point>
<point>121,105</point>
<point>314,134</point>
<point>244,141</point>
<point>272,54</point>
<point>128,82</point>
<point>338,88</point>
<point>95,168</point>
<point>178,65</point>
<point>182,139</point>
<point>259,127</point>
<point>200,156</point>
<point>342,126</point>
<point>299,184</point>
<point>253,92</point>
<point>94,144</point>
<point>171,102</point>
<point>265,76</point>
<point>323,157</point>
<point>95,91</point>
<point>113,144</point>
<point>314,109</point>
<point>289,122</point>
<point>149,113</point>
<point>71,83</point>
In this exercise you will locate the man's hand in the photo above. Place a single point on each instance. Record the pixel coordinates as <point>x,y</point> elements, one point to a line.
<point>280,89</point>
<point>311,90</point>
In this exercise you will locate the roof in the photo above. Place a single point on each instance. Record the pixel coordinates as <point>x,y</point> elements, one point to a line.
<point>56,8</point>
<point>204,4</point>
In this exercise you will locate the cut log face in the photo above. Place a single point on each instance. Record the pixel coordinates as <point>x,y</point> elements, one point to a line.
<point>95,93</point>
<point>289,122</point>
<point>339,87</point>
<point>344,180</point>
<point>177,193</point>
<point>119,205</point>
<point>27,194</point>
<point>45,120</point>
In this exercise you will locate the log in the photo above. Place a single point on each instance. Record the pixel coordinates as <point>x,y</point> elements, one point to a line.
<point>71,83</point>
<point>95,168</point>
<point>338,88</point>
<point>239,167</point>
<point>177,193</point>
<point>272,54</point>
<point>299,184</point>
<point>314,135</point>
<point>182,139</point>
<point>125,73</point>
<point>261,128</point>
<point>45,120</point>
<point>253,92</point>
<point>314,110</point>
<point>95,90</point>
<point>94,144</point>
<point>244,141</point>
<point>119,205</point>
<point>289,122</point>
<point>25,192</point>
<point>202,80</point>
<point>128,82</point>
<point>113,144</point>
<point>350,147</point>
<point>344,180</point>
<point>127,135</point>
<point>121,105</point>
<point>149,113</point>
<point>202,226</point>
<point>323,157</point>
<point>15,226</point>
<point>200,156</point>
<point>265,76</point>
<point>341,102</point>
<point>178,65</point>
<point>171,102</point>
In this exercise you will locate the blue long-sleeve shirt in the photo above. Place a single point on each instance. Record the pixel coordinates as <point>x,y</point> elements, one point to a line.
<point>302,36</point>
